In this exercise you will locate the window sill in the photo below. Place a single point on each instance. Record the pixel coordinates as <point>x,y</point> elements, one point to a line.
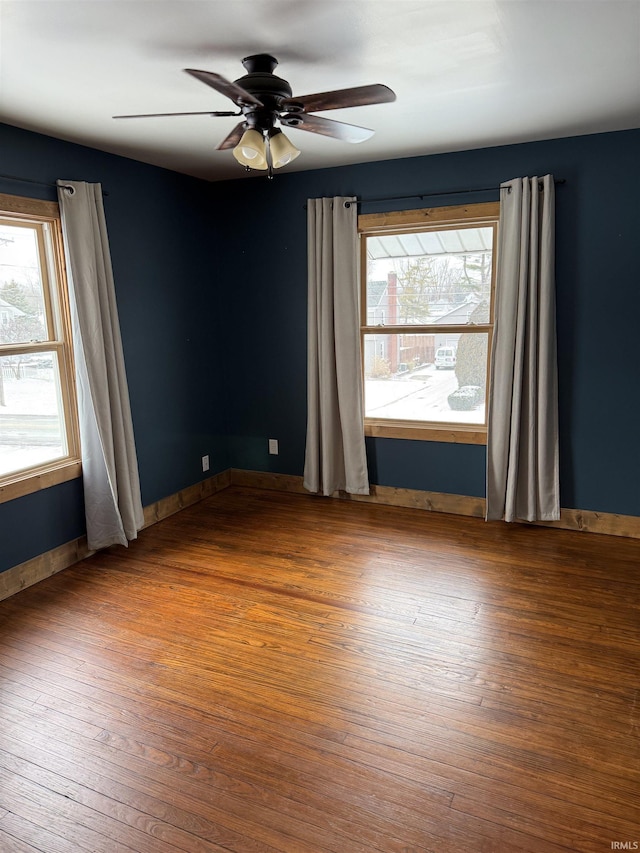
<point>40,478</point>
<point>449,433</point>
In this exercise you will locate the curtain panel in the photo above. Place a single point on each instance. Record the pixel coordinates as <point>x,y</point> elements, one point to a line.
<point>335,458</point>
<point>113,505</point>
<point>522,425</point>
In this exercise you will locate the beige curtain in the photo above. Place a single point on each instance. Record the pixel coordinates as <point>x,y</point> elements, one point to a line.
<point>335,458</point>
<point>113,506</point>
<point>522,430</point>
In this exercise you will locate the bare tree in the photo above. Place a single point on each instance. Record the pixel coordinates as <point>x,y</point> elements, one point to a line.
<point>424,282</point>
<point>477,270</point>
<point>25,326</point>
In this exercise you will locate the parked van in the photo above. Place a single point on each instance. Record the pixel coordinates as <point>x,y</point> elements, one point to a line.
<point>445,358</point>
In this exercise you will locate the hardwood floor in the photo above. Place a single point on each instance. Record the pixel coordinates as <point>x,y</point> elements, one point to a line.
<point>270,672</point>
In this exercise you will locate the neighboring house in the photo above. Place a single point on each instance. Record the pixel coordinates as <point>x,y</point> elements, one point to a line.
<point>378,303</point>
<point>376,346</point>
<point>460,314</point>
<point>8,312</point>
<point>386,355</point>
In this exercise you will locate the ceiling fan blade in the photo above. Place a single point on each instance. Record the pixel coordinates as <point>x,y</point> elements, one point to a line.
<point>327,127</point>
<point>237,94</point>
<point>359,96</point>
<point>165,115</point>
<point>233,138</point>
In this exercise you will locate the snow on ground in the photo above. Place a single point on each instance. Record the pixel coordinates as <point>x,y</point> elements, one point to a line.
<point>36,399</point>
<point>415,396</point>
<point>31,395</point>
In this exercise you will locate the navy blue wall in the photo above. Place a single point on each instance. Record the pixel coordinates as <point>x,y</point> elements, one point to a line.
<point>163,237</point>
<point>598,305</point>
<point>211,287</point>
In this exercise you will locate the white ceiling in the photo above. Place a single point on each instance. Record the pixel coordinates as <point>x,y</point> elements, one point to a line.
<point>467,73</point>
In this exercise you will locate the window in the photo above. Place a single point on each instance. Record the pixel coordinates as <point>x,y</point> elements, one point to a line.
<point>38,420</point>
<point>427,313</point>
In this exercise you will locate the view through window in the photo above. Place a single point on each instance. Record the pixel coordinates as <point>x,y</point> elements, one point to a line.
<point>37,415</point>
<point>427,318</point>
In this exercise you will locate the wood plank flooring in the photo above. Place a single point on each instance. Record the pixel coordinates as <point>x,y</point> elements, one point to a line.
<point>271,672</point>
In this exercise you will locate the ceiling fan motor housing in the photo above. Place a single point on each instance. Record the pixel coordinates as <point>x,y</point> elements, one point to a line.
<point>262,83</point>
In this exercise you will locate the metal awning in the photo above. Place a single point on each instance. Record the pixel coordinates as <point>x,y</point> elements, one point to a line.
<point>458,241</point>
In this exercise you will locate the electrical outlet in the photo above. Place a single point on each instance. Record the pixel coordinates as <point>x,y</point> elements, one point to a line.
<point>205,463</point>
<point>273,446</point>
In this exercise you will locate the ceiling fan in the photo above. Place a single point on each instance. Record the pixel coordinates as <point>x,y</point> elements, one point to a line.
<point>266,104</point>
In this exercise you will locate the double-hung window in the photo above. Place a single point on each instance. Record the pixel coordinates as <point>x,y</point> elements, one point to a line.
<point>38,421</point>
<point>427,321</point>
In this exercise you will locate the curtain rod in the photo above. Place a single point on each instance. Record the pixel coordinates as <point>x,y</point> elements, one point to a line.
<point>432,194</point>
<point>38,183</point>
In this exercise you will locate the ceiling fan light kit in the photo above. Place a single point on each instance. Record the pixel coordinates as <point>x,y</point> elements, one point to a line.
<point>266,101</point>
<point>265,151</point>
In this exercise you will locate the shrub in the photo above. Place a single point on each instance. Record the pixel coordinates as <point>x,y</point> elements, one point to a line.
<point>380,369</point>
<point>465,398</point>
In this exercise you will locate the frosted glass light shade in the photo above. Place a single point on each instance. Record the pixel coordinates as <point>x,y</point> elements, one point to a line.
<point>250,151</point>
<point>283,151</point>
